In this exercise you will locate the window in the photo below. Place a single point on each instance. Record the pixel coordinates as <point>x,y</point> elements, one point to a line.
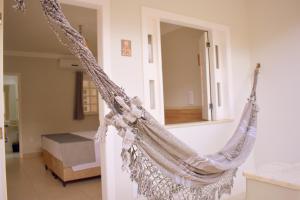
<point>183,57</point>
<point>192,83</point>
<point>186,68</point>
<point>90,96</point>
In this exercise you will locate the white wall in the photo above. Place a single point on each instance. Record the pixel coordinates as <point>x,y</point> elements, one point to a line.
<point>46,100</point>
<point>127,71</point>
<point>181,72</point>
<point>275,42</point>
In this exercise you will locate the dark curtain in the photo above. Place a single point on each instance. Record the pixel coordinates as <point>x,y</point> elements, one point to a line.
<point>78,107</point>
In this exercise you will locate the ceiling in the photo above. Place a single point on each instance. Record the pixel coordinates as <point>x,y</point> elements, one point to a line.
<point>30,32</point>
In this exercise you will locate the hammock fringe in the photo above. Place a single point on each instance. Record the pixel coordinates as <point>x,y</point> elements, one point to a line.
<point>155,185</point>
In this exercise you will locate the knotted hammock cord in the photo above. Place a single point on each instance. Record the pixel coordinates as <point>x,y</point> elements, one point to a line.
<point>163,167</point>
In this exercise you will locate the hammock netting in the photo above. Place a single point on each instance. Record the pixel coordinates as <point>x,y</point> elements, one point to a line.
<point>163,167</point>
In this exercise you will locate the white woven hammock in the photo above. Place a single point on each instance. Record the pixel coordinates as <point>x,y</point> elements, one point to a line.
<point>163,167</point>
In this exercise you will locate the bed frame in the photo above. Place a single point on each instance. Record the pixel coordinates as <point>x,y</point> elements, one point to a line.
<point>66,174</point>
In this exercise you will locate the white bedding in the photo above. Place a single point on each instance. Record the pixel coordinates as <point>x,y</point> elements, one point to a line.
<point>54,148</point>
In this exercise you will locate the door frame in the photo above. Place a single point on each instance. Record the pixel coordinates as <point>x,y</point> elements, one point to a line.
<point>104,59</point>
<point>155,16</point>
<point>3,183</point>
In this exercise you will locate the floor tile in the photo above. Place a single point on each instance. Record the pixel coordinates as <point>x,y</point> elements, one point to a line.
<point>27,179</point>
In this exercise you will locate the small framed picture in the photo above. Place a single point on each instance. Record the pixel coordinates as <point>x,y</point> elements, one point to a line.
<point>126,48</point>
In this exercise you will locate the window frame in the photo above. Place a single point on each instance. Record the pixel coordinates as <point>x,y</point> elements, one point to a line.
<point>91,86</point>
<point>218,35</point>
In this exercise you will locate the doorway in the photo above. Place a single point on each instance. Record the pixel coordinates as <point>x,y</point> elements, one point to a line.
<point>213,66</point>
<point>11,115</point>
<point>48,87</point>
<point>104,59</point>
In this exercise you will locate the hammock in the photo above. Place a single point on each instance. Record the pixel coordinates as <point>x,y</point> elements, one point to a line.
<point>163,167</point>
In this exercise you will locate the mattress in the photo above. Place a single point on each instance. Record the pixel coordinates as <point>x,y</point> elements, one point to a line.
<point>54,148</point>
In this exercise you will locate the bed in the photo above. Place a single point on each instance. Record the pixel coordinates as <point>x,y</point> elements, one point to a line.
<point>276,181</point>
<point>72,156</point>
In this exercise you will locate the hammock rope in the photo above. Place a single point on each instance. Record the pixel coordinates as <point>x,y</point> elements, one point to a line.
<point>163,167</point>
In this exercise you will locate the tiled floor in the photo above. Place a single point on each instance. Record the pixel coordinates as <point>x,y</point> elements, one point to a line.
<point>28,180</point>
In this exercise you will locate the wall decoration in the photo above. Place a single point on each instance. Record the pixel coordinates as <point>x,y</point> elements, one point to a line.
<point>126,48</point>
